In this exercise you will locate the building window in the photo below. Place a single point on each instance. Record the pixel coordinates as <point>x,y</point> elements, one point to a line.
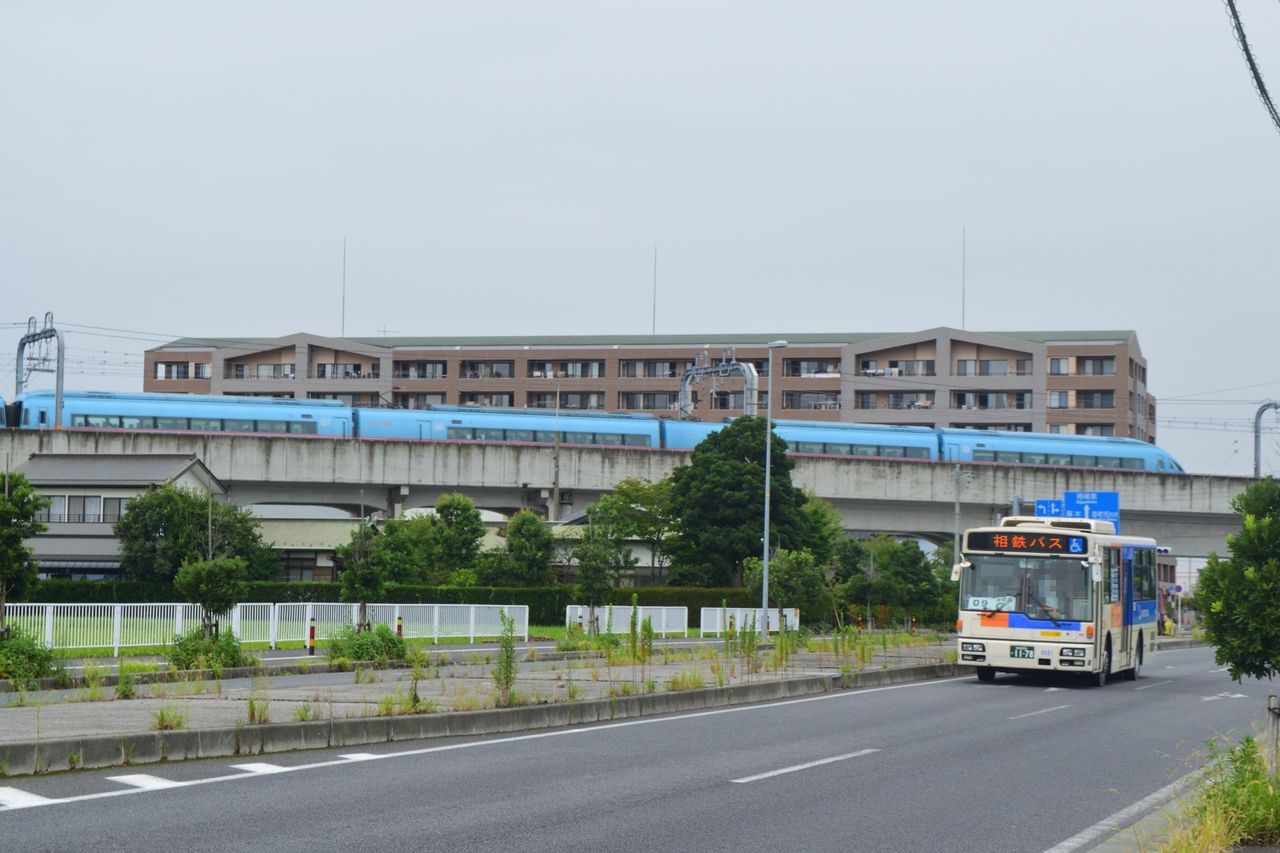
<point>1095,399</point>
<point>499,400</point>
<point>203,370</point>
<point>811,367</point>
<point>732,400</point>
<point>982,367</point>
<point>581,400</point>
<point>865,400</point>
<point>1096,429</point>
<point>1059,366</point>
<point>915,400</point>
<point>84,508</point>
<point>657,401</point>
<point>1059,399</point>
<point>1096,366</point>
<point>418,401</point>
<point>1059,429</point>
<point>113,509</point>
<point>419,370</point>
<point>172,370</point>
<point>811,400</point>
<point>487,369</point>
<point>1023,366</point>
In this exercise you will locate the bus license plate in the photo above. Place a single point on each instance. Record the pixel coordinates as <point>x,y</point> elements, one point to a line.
<point>1022,652</point>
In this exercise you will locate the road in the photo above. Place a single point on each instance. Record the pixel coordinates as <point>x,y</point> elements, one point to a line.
<point>951,765</point>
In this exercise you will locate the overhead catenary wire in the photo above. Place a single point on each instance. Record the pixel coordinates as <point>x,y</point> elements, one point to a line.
<point>1254,72</point>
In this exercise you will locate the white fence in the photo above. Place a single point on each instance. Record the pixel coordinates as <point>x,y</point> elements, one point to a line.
<point>122,626</point>
<point>714,620</point>
<point>665,620</point>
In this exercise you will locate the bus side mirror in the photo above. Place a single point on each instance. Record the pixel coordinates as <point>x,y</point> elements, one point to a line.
<point>958,567</point>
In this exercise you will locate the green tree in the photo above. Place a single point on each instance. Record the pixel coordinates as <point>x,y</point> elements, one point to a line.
<point>216,585</point>
<point>825,531</point>
<point>896,574</point>
<point>643,511</point>
<point>602,555</point>
<point>719,501</point>
<point>169,526</point>
<point>851,558</point>
<point>530,547</point>
<point>20,508</point>
<point>458,534</point>
<point>1239,597</point>
<point>795,580</point>
<point>363,577</point>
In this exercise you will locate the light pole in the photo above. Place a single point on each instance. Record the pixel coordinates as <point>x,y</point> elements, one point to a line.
<point>768,463</point>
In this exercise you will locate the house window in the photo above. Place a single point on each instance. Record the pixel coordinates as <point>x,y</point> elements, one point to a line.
<point>1096,399</point>
<point>1059,366</point>
<point>172,370</point>
<point>1096,366</point>
<point>1096,429</point>
<point>1059,399</point>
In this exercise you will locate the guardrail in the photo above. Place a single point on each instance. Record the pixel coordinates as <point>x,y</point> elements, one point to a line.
<point>714,620</point>
<point>665,620</point>
<point>122,626</point>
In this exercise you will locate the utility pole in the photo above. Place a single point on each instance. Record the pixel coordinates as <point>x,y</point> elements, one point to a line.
<point>33,336</point>
<point>1257,438</point>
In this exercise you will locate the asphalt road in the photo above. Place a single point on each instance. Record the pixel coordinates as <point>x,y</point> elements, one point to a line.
<point>952,765</point>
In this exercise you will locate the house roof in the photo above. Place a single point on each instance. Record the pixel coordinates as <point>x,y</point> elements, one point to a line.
<point>116,470</point>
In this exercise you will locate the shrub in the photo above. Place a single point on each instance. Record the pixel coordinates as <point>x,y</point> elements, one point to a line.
<point>193,650</point>
<point>381,644</point>
<point>23,659</point>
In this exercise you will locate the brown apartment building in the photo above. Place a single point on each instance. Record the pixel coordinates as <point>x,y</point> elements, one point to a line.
<point>1073,382</point>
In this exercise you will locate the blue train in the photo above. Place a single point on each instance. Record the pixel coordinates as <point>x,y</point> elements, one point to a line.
<point>102,410</point>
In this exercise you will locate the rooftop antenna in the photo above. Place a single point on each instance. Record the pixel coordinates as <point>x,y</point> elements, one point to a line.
<point>342,327</point>
<point>963,265</point>
<point>654,328</point>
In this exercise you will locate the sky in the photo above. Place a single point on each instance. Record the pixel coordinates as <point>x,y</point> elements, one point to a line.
<point>509,168</point>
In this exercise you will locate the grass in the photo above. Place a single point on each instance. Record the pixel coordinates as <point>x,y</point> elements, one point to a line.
<point>1237,802</point>
<point>169,718</point>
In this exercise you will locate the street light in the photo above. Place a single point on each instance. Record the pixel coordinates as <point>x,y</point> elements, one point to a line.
<point>768,461</point>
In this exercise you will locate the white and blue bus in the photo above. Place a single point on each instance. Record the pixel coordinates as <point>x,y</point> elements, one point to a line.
<point>1055,595</point>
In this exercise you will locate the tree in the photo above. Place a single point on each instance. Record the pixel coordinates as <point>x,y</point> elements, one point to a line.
<point>530,546</point>
<point>169,526</point>
<point>896,574</point>
<point>1239,597</point>
<point>719,501</point>
<point>601,556</point>
<point>20,508</point>
<point>643,511</point>
<point>458,533</point>
<point>825,533</point>
<point>216,585</point>
<point>795,580</point>
<point>363,577</point>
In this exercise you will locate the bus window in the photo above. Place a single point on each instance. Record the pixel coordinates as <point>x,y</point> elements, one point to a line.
<point>1111,582</point>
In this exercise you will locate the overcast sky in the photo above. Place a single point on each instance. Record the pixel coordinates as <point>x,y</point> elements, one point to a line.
<point>189,169</point>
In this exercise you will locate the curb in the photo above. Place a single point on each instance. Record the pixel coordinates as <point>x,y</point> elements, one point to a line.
<point>29,758</point>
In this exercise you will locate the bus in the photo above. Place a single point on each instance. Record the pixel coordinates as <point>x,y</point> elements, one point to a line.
<point>1055,595</point>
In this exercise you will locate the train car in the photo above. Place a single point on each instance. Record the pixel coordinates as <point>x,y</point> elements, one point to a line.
<point>4,414</point>
<point>1033,448</point>
<point>864,440</point>
<point>184,413</point>
<point>534,426</point>
<point>686,435</point>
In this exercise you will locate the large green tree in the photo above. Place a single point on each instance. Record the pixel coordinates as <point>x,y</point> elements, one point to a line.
<point>169,526</point>
<point>719,501</point>
<point>20,508</point>
<point>216,585</point>
<point>530,547</point>
<point>896,574</point>
<point>795,580</point>
<point>460,531</point>
<point>1239,597</point>
<point>642,510</point>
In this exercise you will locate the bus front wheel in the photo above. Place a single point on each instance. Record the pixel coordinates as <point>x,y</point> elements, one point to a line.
<point>1104,666</point>
<point>986,673</point>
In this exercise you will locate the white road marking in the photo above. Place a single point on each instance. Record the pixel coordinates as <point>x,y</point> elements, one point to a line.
<point>1156,684</point>
<point>12,798</point>
<point>1223,696</point>
<point>1041,711</point>
<point>1224,669</point>
<point>1110,826</point>
<point>1052,689</point>
<point>144,780</point>
<point>31,800</point>
<point>261,768</point>
<point>360,756</point>
<point>797,768</point>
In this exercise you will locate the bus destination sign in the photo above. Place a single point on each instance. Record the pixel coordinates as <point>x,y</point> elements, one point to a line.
<point>1024,542</point>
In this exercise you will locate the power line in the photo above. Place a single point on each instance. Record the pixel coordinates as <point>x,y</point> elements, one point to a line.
<point>1260,86</point>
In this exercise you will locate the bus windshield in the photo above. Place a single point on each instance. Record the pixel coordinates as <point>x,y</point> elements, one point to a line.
<point>1050,588</point>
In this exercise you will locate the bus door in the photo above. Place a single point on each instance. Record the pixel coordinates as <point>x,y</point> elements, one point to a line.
<point>1126,641</point>
<point>1111,616</point>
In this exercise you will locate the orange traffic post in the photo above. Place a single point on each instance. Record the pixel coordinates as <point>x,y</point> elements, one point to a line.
<point>311,637</point>
<point>399,626</point>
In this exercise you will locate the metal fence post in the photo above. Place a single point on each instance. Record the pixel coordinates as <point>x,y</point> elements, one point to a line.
<point>471,619</point>
<point>435,624</point>
<point>235,620</point>
<point>307,620</point>
<point>115,631</point>
<point>177,619</point>
<point>273,628</point>
<point>48,626</point>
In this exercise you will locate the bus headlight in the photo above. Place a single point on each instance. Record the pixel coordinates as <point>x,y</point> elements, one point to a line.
<point>973,647</point>
<point>1072,653</point>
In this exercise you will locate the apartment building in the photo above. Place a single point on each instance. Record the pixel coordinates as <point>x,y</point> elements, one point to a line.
<point>1072,382</point>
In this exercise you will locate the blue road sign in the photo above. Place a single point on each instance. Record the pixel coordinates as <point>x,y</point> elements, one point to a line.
<point>1049,508</point>
<point>1104,506</point>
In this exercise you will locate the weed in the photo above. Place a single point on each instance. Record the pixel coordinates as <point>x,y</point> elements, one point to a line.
<point>62,679</point>
<point>4,764</point>
<point>572,693</point>
<point>504,674</point>
<point>686,680</point>
<point>366,675</point>
<point>168,718</point>
<point>92,690</point>
<point>126,752</point>
<point>73,759</point>
<point>258,710</point>
<point>650,686</point>
<point>124,685</point>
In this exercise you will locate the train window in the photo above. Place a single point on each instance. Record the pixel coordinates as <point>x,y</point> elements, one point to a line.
<point>137,422</point>
<point>76,420</point>
<point>464,433</point>
<point>1059,459</point>
<point>579,438</point>
<point>917,453</point>
<point>984,456</point>
<point>273,427</point>
<point>489,434</point>
<point>44,417</point>
<point>1033,458</point>
<point>1084,461</point>
<point>237,425</point>
<point>865,450</point>
<point>520,435</point>
<point>839,449</point>
<point>1008,456</point>
<point>303,428</point>
<point>1108,462</point>
<point>636,440</point>
<point>206,424</point>
<point>1132,463</point>
<point>808,447</point>
<point>610,438</point>
<point>545,436</point>
<point>171,423</point>
<point>102,421</point>
<point>893,452</point>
